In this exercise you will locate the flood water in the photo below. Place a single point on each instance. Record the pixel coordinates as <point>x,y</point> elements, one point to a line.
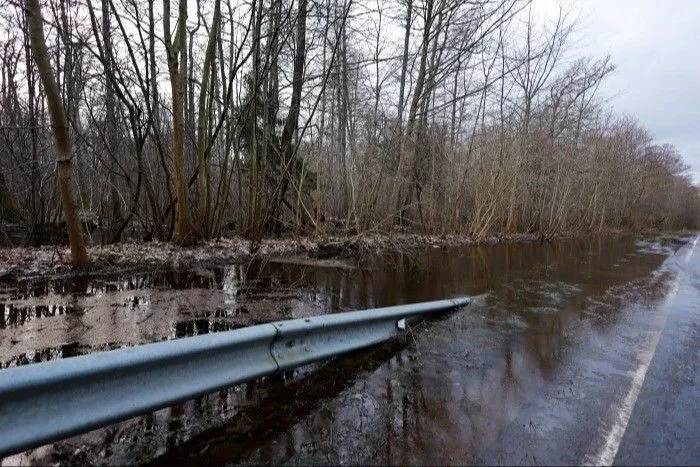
<point>446,393</point>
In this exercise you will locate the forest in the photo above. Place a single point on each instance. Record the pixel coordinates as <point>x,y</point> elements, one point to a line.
<point>188,120</point>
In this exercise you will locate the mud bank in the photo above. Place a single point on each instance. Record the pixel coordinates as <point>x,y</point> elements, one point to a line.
<point>24,263</point>
<point>20,263</point>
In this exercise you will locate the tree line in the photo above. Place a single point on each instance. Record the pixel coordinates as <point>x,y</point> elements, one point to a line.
<point>185,119</point>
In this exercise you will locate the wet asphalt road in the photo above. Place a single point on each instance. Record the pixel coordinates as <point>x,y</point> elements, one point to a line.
<point>582,352</point>
<point>665,424</point>
<point>630,396</point>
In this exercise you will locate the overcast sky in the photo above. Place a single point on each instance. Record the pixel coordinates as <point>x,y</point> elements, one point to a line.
<point>655,45</point>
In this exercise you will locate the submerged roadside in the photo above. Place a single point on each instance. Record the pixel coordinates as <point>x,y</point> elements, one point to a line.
<point>524,359</point>
<point>534,372</point>
<point>26,263</point>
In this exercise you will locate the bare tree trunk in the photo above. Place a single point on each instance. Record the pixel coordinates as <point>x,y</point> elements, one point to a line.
<point>404,61</point>
<point>404,198</point>
<point>291,123</point>
<point>203,172</point>
<point>59,124</point>
<point>112,151</point>
<point>8,207</point>
<point>177,67</point>
<point>344,97</point>
<point>36,205</point>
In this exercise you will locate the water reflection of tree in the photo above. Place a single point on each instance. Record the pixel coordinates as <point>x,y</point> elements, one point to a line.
<point>439,426</point>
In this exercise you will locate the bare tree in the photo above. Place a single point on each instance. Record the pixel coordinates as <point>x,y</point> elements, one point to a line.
<point>177,67</point>
<point>59,123</point>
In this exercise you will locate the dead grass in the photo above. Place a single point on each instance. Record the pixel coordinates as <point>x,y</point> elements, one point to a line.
<point>25,262</point>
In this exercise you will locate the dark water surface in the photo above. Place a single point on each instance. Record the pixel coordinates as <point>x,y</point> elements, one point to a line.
<point>453,391</point>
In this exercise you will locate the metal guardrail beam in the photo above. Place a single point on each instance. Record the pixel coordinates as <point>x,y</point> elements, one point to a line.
<point>49,401</point>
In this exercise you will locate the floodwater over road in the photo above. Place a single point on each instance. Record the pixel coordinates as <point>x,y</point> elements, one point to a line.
<point>543,367</point>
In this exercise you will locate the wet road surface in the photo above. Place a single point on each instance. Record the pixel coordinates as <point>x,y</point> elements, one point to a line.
<point>664,427</point>
<point>584,351</point>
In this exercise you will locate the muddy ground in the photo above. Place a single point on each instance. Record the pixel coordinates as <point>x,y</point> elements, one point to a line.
<point>54,261</point>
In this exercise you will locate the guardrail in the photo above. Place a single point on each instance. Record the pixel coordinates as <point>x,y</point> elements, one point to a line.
<point>46,402</point>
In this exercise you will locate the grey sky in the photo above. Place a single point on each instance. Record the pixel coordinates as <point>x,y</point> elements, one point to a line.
<point>655,45</point>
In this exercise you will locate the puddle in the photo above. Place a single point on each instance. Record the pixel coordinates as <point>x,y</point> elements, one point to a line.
<point>456,381</point>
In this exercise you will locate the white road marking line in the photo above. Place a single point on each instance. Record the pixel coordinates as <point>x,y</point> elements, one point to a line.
<point>606,454</point>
